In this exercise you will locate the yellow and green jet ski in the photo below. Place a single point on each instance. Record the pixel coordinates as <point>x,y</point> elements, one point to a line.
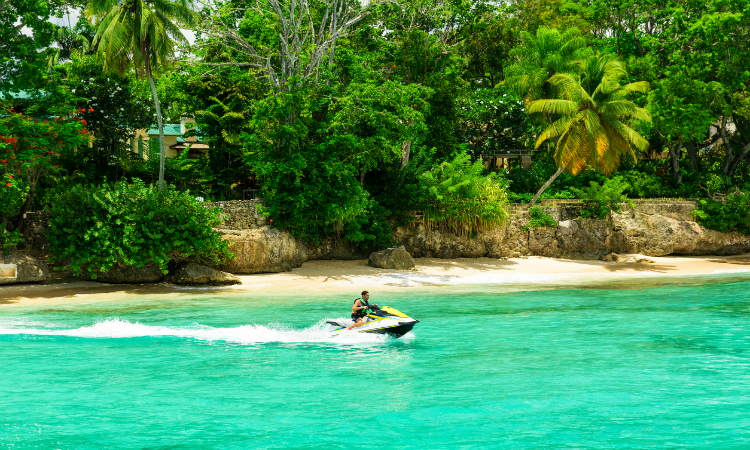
<point>385,320</point>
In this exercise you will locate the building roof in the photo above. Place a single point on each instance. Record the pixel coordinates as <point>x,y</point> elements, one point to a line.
<point>170,129</point>
<point>23,94</point>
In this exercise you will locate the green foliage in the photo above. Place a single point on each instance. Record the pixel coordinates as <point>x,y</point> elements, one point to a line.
<point>493,120</point>
<point>12,195</point>
<point>455,195</point>
<point>539,57</point>
<point>599,200</point>
<point>132,224</point>
<point>540,218</point>
<point>31,149</point>
<point>310,152</point>
<point>9,240</point>
<point>595,114</point>
<point>26,31</point>
<point>730,215</point>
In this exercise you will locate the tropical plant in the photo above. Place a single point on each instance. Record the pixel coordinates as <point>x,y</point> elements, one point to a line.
<point>730,215</point>
<point>456,196</point>
<point>34,148</point>
<point>69,41</point>
<point>132,224</point>
<point>540,218</point>
<point>599,200</point>
<point>141,33</point>
<point>492,120</point>
<point>541,56</point>
<point>594,127</point>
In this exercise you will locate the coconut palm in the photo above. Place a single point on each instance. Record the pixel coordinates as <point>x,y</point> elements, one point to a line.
<point>541,56</point>
<point>594,113</point>
<point>142,33</point>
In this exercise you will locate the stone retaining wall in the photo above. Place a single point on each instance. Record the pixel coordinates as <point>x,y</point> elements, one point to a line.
<point>240,214</point>
<point>651,227</point>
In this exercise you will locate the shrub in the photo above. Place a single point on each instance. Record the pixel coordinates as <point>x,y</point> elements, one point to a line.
<point>731,215</point>
<point>12,196</point>
<point>599,200</point>
<point>540,218</point>
<point>132,224</point>
<point>456,196</point>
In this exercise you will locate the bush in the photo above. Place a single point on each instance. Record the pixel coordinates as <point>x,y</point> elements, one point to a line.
<point>540,218</point>
<point>456,196</point>
<point>731,215</point>
<point>132,224</point>
<point>599,200</point>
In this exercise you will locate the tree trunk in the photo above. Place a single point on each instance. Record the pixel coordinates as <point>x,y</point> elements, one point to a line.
<point>743,153</point>
<point>728,154</point>
<point>162,153</point>
<point>674,153</point>
<point>29,198</point>
<point>546,185</point>
<point>405,153</point>
<point>692,152</point>
<point>362,179</point>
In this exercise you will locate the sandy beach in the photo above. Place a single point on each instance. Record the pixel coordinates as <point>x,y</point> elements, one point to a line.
<point>352,276</point>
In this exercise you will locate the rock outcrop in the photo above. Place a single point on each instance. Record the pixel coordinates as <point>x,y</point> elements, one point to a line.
<point>659,235</point>
<point>650,228</point>
<point>28,269</point>
<point>265,249</point>
<point>392,258</point>
<point>642,230</point>
<point>193,274</point>
<point>122,274</point>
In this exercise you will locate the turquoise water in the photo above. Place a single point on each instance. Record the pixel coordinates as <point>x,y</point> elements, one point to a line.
<point>664,367</point>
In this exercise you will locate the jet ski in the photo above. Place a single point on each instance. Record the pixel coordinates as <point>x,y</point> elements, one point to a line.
<point>385,320</point>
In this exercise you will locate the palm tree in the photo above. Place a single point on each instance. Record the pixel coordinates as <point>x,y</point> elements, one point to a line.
<point>595,112</point>
<point>540,57</point>
<point>141,33</point>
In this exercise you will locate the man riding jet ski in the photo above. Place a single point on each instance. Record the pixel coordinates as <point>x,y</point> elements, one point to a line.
<point>382,321</point>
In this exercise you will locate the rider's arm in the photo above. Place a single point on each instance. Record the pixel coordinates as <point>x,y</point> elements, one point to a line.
<point>357,307</point>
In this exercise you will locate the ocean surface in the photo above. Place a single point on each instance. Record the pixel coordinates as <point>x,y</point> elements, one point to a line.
<point>657,363</point>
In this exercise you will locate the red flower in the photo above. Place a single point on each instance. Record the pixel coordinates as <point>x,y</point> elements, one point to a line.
<point>91,109</point>
<point>10,176</point>
<point>10,184</point>
<point>11,140</point>
<point>4,161</point>
<point>60,143</point>
<point>84,121</point>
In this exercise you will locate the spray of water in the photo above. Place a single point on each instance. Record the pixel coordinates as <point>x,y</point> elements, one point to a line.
<point>245,334</point>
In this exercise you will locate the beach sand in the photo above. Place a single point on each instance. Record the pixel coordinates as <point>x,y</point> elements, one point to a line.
<point>353,276</point>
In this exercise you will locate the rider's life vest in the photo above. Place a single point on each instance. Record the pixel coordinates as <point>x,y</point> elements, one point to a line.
<point>361,312</point>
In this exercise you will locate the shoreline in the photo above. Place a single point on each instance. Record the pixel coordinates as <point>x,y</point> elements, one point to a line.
<point>333,276</point>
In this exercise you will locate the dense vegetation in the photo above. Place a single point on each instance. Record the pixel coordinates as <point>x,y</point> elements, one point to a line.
<point>94,228</point>
<point>349,115</point>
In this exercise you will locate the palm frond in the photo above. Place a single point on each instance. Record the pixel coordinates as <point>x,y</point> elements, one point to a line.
<point>553,107</point>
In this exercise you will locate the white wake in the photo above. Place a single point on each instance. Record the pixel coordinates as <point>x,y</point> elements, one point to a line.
<point>245,334</point>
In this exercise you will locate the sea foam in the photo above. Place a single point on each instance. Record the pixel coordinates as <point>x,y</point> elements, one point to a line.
<point>245,334</point>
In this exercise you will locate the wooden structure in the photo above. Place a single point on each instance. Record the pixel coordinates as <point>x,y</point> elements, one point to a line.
<point>498,159</point>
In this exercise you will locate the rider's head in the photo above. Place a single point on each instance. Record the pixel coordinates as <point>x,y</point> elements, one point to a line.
<point>365,295</point>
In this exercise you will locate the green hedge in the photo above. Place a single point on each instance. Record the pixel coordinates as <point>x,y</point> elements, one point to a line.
<point>132,224</point>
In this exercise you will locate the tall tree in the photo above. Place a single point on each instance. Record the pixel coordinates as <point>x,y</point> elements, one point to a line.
<point>594,128</point>
<point>26,31</point>
<point>142,33</point>
<point>539,57</point>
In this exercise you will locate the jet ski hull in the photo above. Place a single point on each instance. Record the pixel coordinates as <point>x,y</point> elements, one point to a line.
<point>385,321</point>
